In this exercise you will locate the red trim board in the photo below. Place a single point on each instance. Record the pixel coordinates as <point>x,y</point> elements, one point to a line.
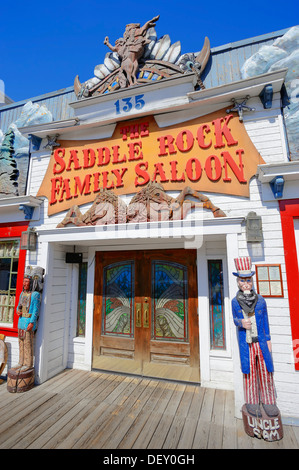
<point>289,210</point>
<point>13,230</point>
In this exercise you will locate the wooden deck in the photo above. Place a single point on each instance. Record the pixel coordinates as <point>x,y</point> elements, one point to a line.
<point>81,410</point>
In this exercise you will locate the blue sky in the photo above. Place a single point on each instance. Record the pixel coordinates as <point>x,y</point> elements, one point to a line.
<point>44,45</point>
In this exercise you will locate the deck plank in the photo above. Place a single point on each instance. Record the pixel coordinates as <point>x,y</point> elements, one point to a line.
<point>203,426</point>
<point>153,417</point>
<point>216,424</point>
<point>104,438</point>
<point>22,433</point>
<point>127,418</point>
<point>167,418</point>
<point>94,423</point>
<point>230,440</point>
<point>144,417</point>
<point>175,430</point>
<point>22,412</point>
<point>102,410</point>
<point>191,421</point>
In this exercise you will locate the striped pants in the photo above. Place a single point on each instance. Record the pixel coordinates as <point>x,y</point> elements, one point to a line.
<point>259,384</point>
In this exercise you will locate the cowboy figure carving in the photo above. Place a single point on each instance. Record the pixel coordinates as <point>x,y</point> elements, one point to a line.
<point>130,49</point>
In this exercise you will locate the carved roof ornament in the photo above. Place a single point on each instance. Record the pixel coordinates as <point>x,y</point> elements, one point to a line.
<point>139,57</point>
<point>240,107</point>
<point>51,144</point>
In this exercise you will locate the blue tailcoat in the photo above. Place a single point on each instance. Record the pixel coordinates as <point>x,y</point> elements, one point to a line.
<point>262,323</point>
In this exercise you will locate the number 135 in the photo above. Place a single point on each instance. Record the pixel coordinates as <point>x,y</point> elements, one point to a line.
<point>127,104</point>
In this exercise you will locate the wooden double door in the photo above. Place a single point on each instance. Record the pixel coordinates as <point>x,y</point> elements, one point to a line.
<point>145,314</point>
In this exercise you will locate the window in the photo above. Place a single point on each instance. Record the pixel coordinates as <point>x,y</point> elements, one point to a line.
<point>82,286</point>
<point>9,260</point>
<point>12,265</point>
<point>216,301</point>
<point>269,280</point>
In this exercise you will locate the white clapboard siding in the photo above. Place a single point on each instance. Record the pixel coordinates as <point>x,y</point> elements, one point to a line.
<point>222,373</point>
<point>38,167</point>
<point>266,135</point>
<point>76,345</point>
<point>13,353</point>
<point>58,311</point>
<point>265,129</point>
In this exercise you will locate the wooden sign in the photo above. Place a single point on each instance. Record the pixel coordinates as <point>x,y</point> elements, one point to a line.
<point>268,428</point>
<point>213,153</point>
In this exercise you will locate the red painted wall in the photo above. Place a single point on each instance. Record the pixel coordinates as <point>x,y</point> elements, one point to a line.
<point>289,210</point>
<point>14,230</point>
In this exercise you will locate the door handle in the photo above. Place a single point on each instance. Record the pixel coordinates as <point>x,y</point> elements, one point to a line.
<point>138,315</point>
<point>146,314</point>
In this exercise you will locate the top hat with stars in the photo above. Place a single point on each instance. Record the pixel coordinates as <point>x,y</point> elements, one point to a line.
<point>243,267</point>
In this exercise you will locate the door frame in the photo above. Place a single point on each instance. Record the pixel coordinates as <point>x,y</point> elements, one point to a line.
<point>173,255</point>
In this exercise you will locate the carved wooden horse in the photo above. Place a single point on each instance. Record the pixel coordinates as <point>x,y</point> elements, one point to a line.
<point>151,203</point>
<point>160,206</point>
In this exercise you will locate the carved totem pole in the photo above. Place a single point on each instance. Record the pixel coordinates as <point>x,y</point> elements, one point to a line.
<point>20,377</point>
<point>261,416</point>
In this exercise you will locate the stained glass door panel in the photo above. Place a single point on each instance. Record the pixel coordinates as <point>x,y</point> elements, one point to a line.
<point>145,316</point>
<point>174,342</point>
<point>118,313</point>
<point>170,301</point>
<point>114,343</point>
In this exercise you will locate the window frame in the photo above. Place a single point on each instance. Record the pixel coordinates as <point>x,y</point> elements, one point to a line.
<point>258,280</point>
<point>14,230</point>
<point>213,347</point>
<point>78,335</point>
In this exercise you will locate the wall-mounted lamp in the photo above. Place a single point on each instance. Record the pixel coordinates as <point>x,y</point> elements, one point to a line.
<point>266,96</point>
<point>254,231</point>
<point>277,185</point>
<point>28,240</point>
<point>34,142</point>
<point>28,211</point>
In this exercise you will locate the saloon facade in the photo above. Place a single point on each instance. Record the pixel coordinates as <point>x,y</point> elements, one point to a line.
<point>140,197</point>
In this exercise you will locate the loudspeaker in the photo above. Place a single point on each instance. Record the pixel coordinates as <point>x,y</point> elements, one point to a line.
<point>73,257</point>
